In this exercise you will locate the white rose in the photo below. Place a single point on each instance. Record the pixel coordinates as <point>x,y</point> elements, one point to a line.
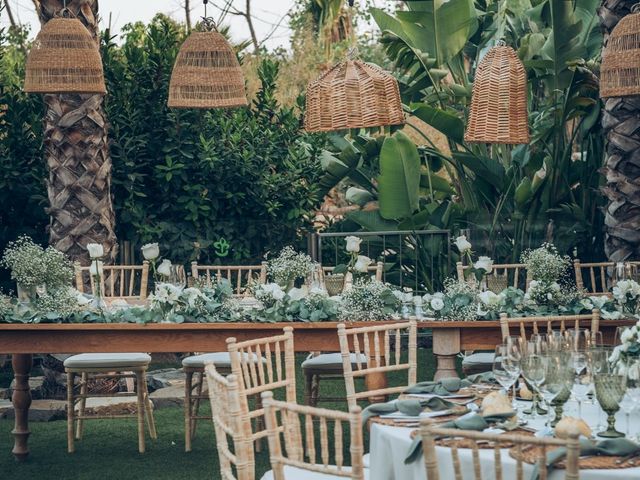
<point>484,263</point>
<point>426,298</point>
<point>165,267</point>
<point>95,250</point>
<point>533,284</point>
<point>353,243</point>
<point>150,251</point>
<point>437,304</point>
<point>277,294</point>
<point>297,293</point>
<point>462,244</point>
<point>615,315</point>
<point>362,264</point>
<point>118,303</point>
<point>489,298</point>
<point>96,268</point>
<point>417,301</point>
<point>626,335</point>
<point>598,301</point>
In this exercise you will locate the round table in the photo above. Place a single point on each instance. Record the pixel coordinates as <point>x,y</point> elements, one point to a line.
<point>389,446</point>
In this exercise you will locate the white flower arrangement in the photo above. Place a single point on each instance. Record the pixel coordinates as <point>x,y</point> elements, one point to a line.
<point>32,266</point>
<point>629,348</point>
<point>368,300</point>
<point>269,294</point>
<point>478,269</point>
<point>545,264</point>
<point>626,294</point>
<point>150,251</point>
<point>290,266</point>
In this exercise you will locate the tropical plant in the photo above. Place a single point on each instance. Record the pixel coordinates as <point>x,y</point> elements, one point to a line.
<point>620,123</point>
<point>77,156</point>
<point>513,197</point>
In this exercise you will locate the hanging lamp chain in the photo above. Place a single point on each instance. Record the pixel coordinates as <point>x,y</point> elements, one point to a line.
<point>65,12</point>
<point>635,8</point>
<point>208,24</point>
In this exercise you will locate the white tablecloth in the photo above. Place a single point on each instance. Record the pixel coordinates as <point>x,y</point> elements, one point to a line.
<point>389,446</point>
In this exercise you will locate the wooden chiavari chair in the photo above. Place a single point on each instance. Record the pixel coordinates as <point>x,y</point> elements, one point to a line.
<point>320,366</point>
<point>297,456</point>
<point>241,277</point>
<point>232,427</point>
<point>126,282</point>
<point>596,272</point>
<point>376,352</point>
<point>563,322</point>
<point>275,370</point>
<point>502,275</point>
<point>436,470</point>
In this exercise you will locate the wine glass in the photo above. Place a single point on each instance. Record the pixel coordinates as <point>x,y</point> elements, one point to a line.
<point>611,386</point>
<point>627,405</point>
<point>578,339</point>
<point>553,383</point>
<point>503,370</point>
<point>513,358</point>
<point>580,379</point>
<point>533,371</point>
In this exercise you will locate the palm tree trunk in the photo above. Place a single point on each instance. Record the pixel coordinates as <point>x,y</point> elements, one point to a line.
<point>621,123</point>
<point>77,154</point>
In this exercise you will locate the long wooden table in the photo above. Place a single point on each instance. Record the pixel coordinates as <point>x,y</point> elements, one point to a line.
<point>22,341</point>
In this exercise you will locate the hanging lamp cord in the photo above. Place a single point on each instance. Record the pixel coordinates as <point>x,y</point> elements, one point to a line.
<point>208,24</point>
<point>635,8</point>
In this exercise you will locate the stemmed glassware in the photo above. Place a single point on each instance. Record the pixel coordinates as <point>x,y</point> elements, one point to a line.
<point>598,361</point>
<point>533,371</point>
<point>177,276</point>
<point>611,386</point>
<point>506,368</point>
<point>554,382</point>
<point>580,380</point>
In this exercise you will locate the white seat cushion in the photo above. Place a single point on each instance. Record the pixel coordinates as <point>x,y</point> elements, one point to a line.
<point>219,359</point>
<point>107,360</point>
<point>293,473</point>
<point>479,358</point>
<point>331,360</point>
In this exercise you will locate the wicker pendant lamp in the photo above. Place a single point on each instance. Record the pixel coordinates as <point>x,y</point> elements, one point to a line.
<point>352,94</point>
<point>64,59</point>
<point>498,111</point>
<point>207,73</point>
<point>620,70</point>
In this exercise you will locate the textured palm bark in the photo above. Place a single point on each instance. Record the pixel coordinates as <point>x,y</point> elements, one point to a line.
<point>77,154</point>
<point>621,123</point>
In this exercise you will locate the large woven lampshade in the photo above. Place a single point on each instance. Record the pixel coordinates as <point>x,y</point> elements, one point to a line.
<point>206,74</point>
<point>64,59</point>
<point>352,94</point>
<point>620,69</point>
<point>499,100</point>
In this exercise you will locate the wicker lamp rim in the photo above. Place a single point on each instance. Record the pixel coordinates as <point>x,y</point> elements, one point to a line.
<point>352,94</point>
<point>64,59</point>
<point>620,68</point>
<point>206,74</point>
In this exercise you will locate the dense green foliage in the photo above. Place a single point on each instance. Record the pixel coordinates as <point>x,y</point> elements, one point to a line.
<point>511,198</point>
<point>185,178</point>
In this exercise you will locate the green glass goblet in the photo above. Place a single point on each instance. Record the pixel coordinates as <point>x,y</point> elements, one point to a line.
<point>610,389</point>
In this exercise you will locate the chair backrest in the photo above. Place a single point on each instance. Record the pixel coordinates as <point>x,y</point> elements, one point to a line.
<point>232,427</point>
<point>502,275</point>
<point>596,282</point>
<point>261,365</point>
<point>522,443</point>
<point>377,269</point>
<point>592,320</point>
<point>239,276</point>
<point>129,282</point>
<point>376,352</point>
<point>305,454</point>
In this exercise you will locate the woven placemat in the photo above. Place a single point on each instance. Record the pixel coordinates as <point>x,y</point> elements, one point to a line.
<point>468,443</point>
<point>456,412</point>
<point>599,462</point>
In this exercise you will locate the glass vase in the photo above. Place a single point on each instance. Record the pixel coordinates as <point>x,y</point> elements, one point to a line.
<point>26,294</point>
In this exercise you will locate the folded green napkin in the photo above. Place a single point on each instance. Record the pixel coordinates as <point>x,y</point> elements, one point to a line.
<point>411,407</point>
<point>466,422</point>
<point>448,386</point>
<point>619,447</point>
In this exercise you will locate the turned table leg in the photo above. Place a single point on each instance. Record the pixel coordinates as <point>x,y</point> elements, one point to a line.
<point>21,402</point>
<point>446,346</point>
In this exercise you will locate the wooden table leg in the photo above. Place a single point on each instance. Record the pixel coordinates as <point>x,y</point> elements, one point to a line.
<point>21,402</point>
<point>446,346</point>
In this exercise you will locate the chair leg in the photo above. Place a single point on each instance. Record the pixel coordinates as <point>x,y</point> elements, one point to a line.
<point>196,409</point>
<point>187,410</point>
<point>83,403</point>
<point>140,410</point>
<point>151,423</point>
<point>307,388</point>
<point>70,412</point>
<point>315,390</point>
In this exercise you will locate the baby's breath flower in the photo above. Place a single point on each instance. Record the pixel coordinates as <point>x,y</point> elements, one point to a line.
<point>290,265</point>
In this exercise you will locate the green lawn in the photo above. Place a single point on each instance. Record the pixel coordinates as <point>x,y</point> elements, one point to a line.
<point>109,448</point>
